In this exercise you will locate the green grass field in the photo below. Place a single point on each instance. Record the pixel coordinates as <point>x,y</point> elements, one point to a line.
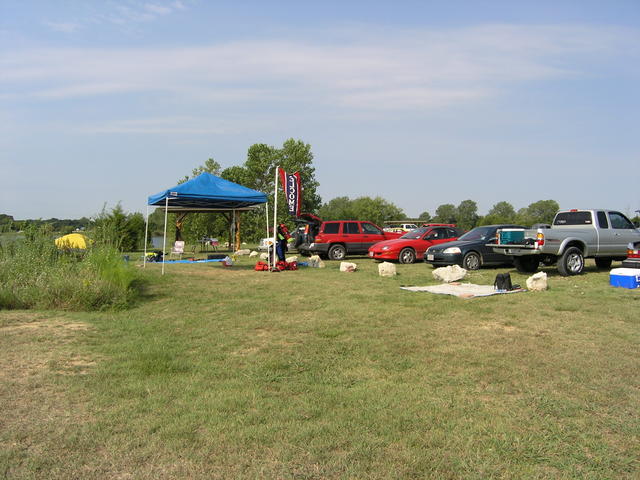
<point>230,373</point>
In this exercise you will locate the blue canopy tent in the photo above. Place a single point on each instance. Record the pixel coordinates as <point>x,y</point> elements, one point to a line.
<point>204,193</point>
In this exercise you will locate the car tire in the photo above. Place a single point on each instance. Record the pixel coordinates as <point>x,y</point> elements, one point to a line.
<point>337,252</point>
<point>571,262</point>
<point>603,263</point>
<point>407,255</point>
<point>526,264</point>
<point>472,261</point>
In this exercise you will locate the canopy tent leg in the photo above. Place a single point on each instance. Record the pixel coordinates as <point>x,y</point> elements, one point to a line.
<point>233,232</point>
<point>146,239</point>
<point>237,228</point>
<point>275,214</point>
<point>164,239</point>
<point>266,211</point>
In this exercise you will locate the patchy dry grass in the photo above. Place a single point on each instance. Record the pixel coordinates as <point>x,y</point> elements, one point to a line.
<point>231,373</point>
<point>40,410</point>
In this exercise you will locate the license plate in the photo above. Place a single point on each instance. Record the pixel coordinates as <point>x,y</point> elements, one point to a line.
<point>430,256</point>
<point>371,254</point>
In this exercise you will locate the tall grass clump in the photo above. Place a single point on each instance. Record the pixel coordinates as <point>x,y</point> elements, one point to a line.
<point>35,274</point>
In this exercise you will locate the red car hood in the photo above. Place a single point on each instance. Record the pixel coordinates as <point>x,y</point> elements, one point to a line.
<point>394,243</point>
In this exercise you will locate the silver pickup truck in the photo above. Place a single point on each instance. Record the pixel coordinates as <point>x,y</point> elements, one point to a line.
<point>573,236</point>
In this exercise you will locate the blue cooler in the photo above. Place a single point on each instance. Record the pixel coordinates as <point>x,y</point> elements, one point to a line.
<point>625,277</point>
<point>511,236</point>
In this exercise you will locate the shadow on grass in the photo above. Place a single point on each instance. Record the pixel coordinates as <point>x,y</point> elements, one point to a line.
<point>552,271</point>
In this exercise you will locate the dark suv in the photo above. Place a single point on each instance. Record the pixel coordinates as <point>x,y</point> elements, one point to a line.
<point>339,238</point>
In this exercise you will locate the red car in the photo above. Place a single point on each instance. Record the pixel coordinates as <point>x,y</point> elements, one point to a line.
<point>339,238</point>
<point>413,244</point>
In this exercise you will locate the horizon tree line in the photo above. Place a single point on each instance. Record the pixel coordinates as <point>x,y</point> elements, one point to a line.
<point>258,173</point>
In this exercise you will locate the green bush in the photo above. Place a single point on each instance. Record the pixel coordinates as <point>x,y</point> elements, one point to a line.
<point>35,274</point>
<point>118,229</point>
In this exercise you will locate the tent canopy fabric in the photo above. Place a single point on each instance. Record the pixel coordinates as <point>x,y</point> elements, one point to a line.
<point>207,191</point>
<point>73,240</point>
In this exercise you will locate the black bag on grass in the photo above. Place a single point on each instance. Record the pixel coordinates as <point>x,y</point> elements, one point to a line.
<point>503,282</point>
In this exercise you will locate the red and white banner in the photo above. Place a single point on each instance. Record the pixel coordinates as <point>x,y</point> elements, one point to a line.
<point>292,191</point>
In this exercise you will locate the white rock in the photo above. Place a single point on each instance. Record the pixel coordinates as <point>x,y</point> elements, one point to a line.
<point>348,267</point>
<point>244,251</point>
<point>264,256</point>
<point>537,282</point>
<point>291,259</point>
<point>315,261</point>
<point>451,273</point>
<point>386,269</point>
<point>253,253</point>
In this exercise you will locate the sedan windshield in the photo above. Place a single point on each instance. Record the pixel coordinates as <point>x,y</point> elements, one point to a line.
<point>415,234</point>
<point>480,233</point>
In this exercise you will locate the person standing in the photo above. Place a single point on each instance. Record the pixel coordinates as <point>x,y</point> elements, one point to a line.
<point>282,235</point>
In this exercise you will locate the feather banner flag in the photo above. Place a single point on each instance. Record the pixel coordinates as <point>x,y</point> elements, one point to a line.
<point>292,191</point>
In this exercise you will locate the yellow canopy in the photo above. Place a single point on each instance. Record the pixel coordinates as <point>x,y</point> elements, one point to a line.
<point>73,240</point>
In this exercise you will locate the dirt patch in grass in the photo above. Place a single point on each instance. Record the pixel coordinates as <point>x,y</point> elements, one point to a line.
<point>22,359</point>
<point>53,324</point>
<point>38,353</point>
<point>497,326</point>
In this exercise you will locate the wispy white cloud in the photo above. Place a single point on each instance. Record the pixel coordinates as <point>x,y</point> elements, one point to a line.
<point>63,27</point>
<point>404,70</point>
<point>411,98</point>
<point>122,13</point>
<point>164,125</point>
<point>142,12</point>
<point>157,9</point>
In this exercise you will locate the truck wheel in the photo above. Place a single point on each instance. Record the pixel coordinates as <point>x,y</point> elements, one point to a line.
<point>603,263</point>
<point>407,255</point>
<point>471,261</point>
<point>526,264</point>
<point>571,262</point>
<point>337,252</point>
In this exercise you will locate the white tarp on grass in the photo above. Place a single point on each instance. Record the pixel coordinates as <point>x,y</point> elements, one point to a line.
<point>462,290</point>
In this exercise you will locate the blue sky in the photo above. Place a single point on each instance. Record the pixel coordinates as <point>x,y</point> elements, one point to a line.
<point>419,102</point>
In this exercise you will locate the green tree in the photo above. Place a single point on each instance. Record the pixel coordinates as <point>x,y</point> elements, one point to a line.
<point>467,214</point>
<point>541,211</point>
<point>258,172</point>
<point>118,229</point>
<point>156,222</point>
<point>376,210</point>
<point>425,217</point>
<point>446,213</point>
<point>209,166</point>
<point>294,156</point>
<point>523,217</point>
<point>6,222</point>
<point>197,226</point>
<point>501,212</point>
<point>339,208</point>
